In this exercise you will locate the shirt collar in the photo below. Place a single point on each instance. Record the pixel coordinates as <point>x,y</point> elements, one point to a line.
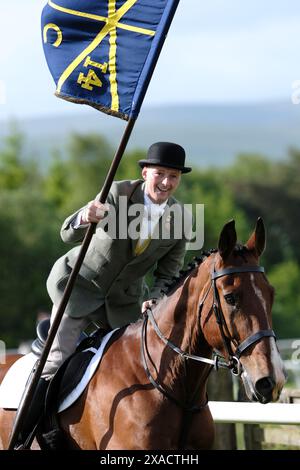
<point>152,207</point>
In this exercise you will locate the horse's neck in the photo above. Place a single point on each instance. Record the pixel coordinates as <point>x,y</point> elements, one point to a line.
<point>178,313</point>
<point>177,316</point>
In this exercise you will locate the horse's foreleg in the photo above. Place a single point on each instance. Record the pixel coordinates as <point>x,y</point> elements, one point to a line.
<point>7,418</point>
<point>201,434</point>
<point>6,423</point>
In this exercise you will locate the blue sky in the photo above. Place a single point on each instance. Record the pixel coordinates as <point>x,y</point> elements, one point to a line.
<point>217,51</point>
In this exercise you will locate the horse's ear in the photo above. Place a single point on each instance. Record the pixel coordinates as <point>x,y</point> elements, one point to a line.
<point>227,239</point>
<point>257,241</point>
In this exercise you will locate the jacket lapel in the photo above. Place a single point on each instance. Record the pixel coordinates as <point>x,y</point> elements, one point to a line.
<point>137,197</point>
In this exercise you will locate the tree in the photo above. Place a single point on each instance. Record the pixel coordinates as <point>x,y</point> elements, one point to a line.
<point>285,277</point>
<point>89,157</point>
<point>16,168</point>
<point>206,187</point>
<point>273,192</point>
<point>29,245</point>
<point>28,241</point>
<point>77,173</point>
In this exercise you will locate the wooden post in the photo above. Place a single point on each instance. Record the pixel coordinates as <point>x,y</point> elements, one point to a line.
<point>253,434</point>
<point>220,387</point>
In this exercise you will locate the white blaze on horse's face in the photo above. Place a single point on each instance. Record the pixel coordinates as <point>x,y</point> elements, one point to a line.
<point>264,377</point>
<point>244,314</point>
<point>263,370</point>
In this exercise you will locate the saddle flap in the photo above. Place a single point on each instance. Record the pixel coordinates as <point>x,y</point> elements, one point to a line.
<point>75,373</point>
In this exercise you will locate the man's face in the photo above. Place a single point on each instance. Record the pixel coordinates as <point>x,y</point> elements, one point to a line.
<point>160,182</point>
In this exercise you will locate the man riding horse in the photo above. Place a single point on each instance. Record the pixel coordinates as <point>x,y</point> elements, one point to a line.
<point>110,286</point>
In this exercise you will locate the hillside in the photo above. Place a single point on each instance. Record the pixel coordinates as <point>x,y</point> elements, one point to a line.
<point>211,134</point>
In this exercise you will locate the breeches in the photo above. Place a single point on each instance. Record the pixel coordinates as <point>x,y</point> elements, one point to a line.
<point>65,341</point>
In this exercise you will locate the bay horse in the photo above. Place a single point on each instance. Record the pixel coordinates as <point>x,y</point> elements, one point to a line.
<point>149,391</point>
<point>10,359</point>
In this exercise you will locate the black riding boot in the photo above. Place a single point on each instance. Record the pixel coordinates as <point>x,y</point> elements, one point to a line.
<point>35,410</point>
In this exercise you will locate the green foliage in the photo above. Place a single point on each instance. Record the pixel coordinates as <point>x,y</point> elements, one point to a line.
<point>285,277</point>
<point>33,205</point>
<point>272,192</point>
<point>15,172</point>
<point>206,187</point>
<point>248,167</point>
<point>128,168</point>
<point>56,184</point>
<point>29,244</point>
<point>76,179</point>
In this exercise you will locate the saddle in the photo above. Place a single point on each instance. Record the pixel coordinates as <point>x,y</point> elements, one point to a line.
<point>42,331</point>
<point>67,377</point>
<point>71,371</point>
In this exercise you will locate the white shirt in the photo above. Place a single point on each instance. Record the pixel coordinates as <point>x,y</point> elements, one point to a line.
<point>152,214</point>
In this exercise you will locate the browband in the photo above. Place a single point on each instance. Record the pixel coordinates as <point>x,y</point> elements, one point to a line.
<point>237,269</point>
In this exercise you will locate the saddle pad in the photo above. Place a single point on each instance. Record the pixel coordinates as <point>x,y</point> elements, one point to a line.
<point>14,382</point>
<point>91,368</point>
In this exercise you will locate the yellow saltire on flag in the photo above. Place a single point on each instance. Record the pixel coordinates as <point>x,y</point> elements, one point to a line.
<point>103,52</point>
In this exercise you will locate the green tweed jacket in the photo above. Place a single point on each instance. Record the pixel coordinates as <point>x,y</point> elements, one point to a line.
<point>112,276</point>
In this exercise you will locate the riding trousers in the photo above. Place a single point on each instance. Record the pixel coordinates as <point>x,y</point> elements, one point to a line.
<point>66,339</point>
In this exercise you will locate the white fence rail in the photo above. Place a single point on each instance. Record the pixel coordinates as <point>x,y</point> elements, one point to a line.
<point>255,413</point>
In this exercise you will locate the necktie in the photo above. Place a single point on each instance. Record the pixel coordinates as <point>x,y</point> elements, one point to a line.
<point>150,220</point>
<point>141,246</point>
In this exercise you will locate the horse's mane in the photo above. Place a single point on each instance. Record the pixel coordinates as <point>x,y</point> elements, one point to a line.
<point>239,249</point>
<point>194,263</point>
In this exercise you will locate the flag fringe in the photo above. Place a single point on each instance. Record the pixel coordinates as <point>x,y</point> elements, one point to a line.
<point>104,109</point>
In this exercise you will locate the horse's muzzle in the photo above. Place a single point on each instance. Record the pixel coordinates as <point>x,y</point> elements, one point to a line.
<point>264,390</point>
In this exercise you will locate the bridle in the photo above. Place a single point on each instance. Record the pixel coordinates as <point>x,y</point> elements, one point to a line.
<point>234,356</point>
<point>233,362</point>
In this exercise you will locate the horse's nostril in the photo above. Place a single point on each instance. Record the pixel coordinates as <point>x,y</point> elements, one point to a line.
<point>265,386</point>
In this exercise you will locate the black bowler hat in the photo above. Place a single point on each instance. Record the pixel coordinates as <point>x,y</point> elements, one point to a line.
<point>166,154</point>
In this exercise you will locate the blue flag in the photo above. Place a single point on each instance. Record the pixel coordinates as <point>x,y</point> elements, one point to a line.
<point>103,52</point>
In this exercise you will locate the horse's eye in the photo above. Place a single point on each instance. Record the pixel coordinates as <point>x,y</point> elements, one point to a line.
<point>230,299</point>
